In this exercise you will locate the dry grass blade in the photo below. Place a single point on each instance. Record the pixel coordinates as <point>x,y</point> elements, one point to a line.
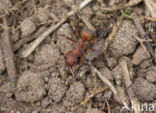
<point>71,71</point>
<point>150,18</point>
<point>108,106</point>
<point>83,72</point>
<point>133,2</point>
<point>121,6</point>
<point>125,72</point>
<point>113,33</point>
<point>36,43</point>
<point>105,80</point>
<point>93,94</point>
<point>151,6</point>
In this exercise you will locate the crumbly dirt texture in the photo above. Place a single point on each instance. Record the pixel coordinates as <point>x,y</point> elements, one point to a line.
<point>45,84</point>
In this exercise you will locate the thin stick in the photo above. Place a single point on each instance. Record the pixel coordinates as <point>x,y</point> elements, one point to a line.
<point>150,18</point>
<point>93,94</point>
<point>71,71</point>
<point>108,106</point>
<point>8,53</point>
<point>141,41</point>
<point>36,43</point>
<point>105,80</point>
<point>125,72</point>
<point>113,33</point>
<point>128,82</point>
<point>143,35</point>
<point>26,39</point>
<point>121,6</point>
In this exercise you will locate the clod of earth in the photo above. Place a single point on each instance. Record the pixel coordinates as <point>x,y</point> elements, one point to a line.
<point>143,90</point>
<point>27,27</point>
<point>15,36</point>
<point>151,75</point>
<point>75,93</point>
<point>48,54</point>
<point>42,14</point>
<point>111,62</point>
<point>124,42</point>
<point>57,89</point>
<point>139,56</point>
<point>117,74</point>
<point>63,43</point>
<point>30,91</point>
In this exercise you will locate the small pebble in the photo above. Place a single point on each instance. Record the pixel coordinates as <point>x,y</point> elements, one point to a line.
<point>42,15</point>
<point>76,92</point>
<point>151,76</point>
<point>143,90</point>
<point>16,35</point>
<point>99,64</point>
<point>111,62</point>
<point>27,27</point>
<point>117,74</point>
<point>139,56</point>
<point>31,87</point>
<point>63,73</point>
<point>45,102</point>
<point>63,43</point>
<point>48,54</point>
<point>57,89</point>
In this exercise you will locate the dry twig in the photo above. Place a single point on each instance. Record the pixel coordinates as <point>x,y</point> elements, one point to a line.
<point>121,6</point>
<point>27,39</point>
<point>141,41</point>
<point>36,43</point>
<point>150,18</point>
<point>93,94</point>
<point>108,106</point>
<point>8,54</point>
<point>128,83</point>
<point>125,72</point>
<point>143,35</point>
<point>105,80</point>
<point>113,33</point>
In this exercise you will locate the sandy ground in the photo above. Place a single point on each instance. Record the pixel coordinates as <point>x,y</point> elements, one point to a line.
<point>45,84</point>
